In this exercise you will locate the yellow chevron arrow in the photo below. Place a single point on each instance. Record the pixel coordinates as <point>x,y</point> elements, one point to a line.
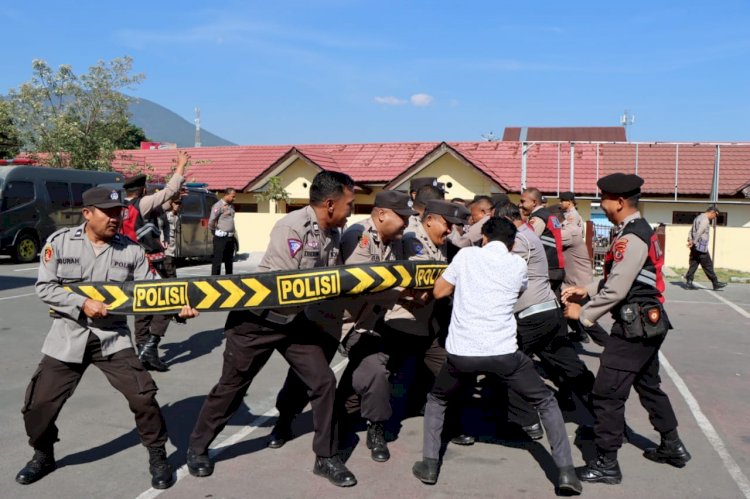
<point>365,281</point>
<point>93,293</point>
<point>211,294</point>
<point>235,293</point>
<point>405,276</point>
<point>260,291</point>
<point>388,278</point>
<point>118,294</point>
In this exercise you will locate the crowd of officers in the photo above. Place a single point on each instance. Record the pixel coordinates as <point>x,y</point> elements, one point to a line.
<point>380,334</point>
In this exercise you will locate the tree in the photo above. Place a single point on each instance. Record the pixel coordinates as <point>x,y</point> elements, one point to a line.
<point>274,190</point>
<point>130,137</point>
<point>72,120</point>
<point>10,141</point>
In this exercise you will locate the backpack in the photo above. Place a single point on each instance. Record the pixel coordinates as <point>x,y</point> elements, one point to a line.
<point>144,232</point>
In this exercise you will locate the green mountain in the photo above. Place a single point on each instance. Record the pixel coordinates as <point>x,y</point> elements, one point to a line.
<point>163,125</point>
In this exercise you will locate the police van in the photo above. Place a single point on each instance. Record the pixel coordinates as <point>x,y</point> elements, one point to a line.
<point>35,201</point>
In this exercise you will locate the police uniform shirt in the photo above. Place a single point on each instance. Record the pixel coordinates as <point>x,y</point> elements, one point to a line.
<point>411,314</point>
<point>70,257</point>
<point>528,246</point>
<point>170,232</point>
<point>630,253</point>
<point>573,222</point>
<point>222,217</point>
<point>700,233</point>
<point>155,201</point>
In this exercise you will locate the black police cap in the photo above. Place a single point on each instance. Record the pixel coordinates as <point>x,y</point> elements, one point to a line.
<point>135,181</point>
<point>567,196</point>
<point>398,201</point>
<point>419,182</point>
<point>452,212</point>
<point>621,184</point>
<point>102,197</point>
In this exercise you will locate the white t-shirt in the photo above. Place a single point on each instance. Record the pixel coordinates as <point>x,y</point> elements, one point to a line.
<point>488,281</point>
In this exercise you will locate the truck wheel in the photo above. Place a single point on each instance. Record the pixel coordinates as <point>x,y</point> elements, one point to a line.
<point>26,249</point>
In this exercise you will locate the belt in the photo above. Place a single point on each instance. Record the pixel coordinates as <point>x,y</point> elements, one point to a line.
<point>538,309</point>
<point>269,315</point>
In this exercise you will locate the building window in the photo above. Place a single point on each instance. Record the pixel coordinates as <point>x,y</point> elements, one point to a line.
<point>687,217</point>
<point>246,207</point>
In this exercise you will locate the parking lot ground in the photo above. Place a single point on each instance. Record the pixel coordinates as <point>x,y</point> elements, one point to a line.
<point>99,455</point>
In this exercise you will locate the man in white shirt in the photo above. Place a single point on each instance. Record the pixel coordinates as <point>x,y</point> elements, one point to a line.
<point>482,340</point>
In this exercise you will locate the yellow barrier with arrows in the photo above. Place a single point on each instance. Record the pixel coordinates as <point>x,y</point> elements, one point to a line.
<point>260,290</point>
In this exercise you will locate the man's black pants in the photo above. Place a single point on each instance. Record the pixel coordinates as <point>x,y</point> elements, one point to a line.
<point>223,252</point>
<point>704,260</point>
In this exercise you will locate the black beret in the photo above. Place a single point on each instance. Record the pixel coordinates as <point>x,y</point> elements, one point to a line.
<point>452,212</point>
<point>101,197</point>
<point>621,184</point>
<point>567,196</point>
<point>398,201</point>
<point>135,181</point>
<point>419,182</point>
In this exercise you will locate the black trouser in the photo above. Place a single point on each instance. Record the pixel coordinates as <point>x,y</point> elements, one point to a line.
<point>223,252</point>
<point>157,324</point>
<point>704,260</point>
<point>364,386</point>
<point>54,382</point>
<point>294,395</point>
<point>611,391</point>
<point>248,348</point>
<point>542,335</point>
<point>517,371</point>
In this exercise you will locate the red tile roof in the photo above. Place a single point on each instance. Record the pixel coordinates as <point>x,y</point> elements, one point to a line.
<point>547,164</point>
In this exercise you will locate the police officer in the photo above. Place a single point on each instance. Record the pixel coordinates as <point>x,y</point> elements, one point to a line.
<point>539,319</point>
<point>83,333</point>
<point>221,223</point>
<point>633,291</point>
<point>377,239</point>
<point>352,319</point>
<point>141,225</point>
<point>547,227</point>
<point>304,239</point>
<point>419,182</point>
<point>481,209</point>
<point>411,327</point>
<point>698,244</point>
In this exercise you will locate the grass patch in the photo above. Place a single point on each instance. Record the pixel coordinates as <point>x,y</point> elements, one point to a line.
<point>723,274</point>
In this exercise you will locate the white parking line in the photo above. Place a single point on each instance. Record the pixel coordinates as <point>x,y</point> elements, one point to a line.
<point>716,295</point>
<point>256,423</point>
<point>26,269</point>
<point>708,429</point>
<point>16,296</point>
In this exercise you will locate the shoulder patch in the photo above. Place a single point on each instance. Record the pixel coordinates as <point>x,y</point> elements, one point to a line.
<point>294,246</point>
<point>417,248</point>
<point>47,253</point>
<point>364,241</point>
<point>619,249</point>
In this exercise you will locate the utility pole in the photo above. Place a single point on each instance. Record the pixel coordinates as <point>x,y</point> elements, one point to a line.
<point>197,126</point>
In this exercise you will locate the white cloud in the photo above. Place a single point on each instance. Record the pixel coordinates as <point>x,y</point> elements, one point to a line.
<point>390,100</point>
<point>421,100</point>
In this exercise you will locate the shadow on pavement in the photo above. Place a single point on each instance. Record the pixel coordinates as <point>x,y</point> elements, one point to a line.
<point>191,348</point>
<point>13,282</point>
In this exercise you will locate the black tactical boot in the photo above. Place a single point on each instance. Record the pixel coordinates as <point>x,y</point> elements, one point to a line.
<point>601,470</point>
<point>160,469</point>
<point>669,451</point>
<point>689,284</point>
<point>199,464</point>
<point>463,439</point>
<point>281,433</point>
<point>719,285</point>
<point>567,481</point>
<point>376,443</point>
<point>41,465</point>
<point>427,470</point>
<point>335,471</point>
<point>149,355</point>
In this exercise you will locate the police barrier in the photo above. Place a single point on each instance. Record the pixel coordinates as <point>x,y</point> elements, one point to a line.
<point>262,290</point>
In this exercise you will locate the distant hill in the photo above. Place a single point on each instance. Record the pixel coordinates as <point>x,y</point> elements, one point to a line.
<point>163,125</point>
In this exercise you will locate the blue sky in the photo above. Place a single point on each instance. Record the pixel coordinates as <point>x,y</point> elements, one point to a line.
<point>329,71</point>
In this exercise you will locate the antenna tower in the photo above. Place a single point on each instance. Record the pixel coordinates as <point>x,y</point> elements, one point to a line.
<point>197,126</point>
<point>627,119</point>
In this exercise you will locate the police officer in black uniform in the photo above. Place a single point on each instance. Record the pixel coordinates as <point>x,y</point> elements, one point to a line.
<point>633,291</point>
